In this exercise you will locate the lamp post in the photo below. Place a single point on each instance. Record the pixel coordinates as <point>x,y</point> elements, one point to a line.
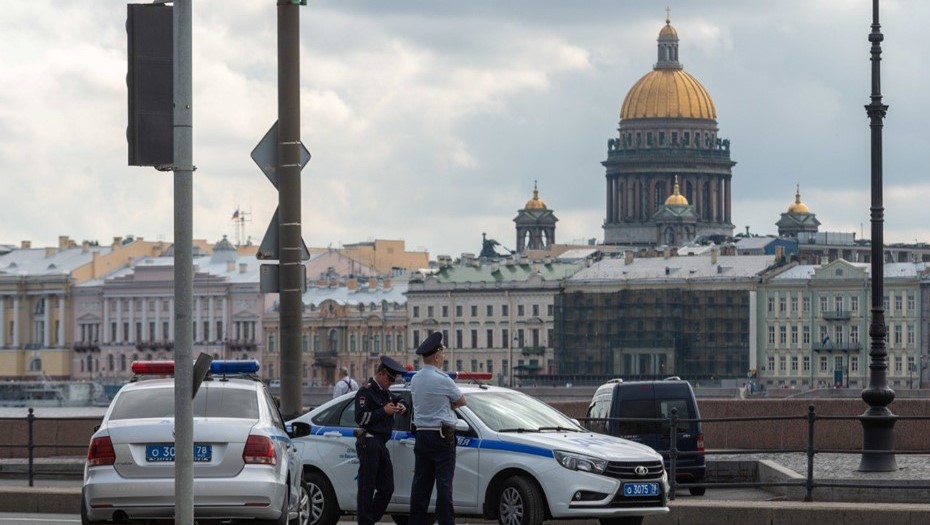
<point>877,421</point>
<point>516,341</point>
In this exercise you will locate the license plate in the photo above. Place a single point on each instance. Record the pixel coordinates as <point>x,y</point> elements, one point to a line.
<point>640,489</point>
<point>164,452</point>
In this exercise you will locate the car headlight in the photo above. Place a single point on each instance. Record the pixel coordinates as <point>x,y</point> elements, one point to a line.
<point>580,462</point>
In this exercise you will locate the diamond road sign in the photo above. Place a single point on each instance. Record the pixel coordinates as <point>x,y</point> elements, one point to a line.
<point>265,155</point>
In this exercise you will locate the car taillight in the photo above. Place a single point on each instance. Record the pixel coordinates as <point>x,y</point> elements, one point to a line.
<point>259,449</point>
<point>100,452</point>
<point>700,442</point>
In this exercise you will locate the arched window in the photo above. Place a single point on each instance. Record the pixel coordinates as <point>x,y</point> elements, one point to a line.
<point>35,364</point>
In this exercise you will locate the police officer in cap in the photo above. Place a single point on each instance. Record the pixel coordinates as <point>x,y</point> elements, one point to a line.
<point>375,407</point>
<point>435,398</point>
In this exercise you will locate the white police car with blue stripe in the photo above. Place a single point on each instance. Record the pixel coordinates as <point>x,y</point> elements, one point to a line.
<point>518,461</point>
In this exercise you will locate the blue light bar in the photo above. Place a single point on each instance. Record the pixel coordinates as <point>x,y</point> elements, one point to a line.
<point>249,366</point>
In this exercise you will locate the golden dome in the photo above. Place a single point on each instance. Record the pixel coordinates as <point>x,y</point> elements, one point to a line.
<point>798,206</point>
<point>668,30</point>
<point>535,203</point>
<point>668,93</point>
<point>676,198</point>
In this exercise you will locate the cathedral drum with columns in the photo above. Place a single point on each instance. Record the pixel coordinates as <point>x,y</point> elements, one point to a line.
<point>668,174</point>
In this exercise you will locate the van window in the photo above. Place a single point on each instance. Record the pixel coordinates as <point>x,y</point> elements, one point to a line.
<point>638,408</point>
<point>600,409</point>
<point>684,411</point>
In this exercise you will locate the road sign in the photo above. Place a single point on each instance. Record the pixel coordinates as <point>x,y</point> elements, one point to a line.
<point>265,155</point>
<point>269,247</point>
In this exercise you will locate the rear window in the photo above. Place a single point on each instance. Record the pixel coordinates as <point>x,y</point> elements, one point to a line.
<point>210,402</point>
<point>639,409</point>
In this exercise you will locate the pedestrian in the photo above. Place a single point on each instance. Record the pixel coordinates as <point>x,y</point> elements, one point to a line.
<point>435,398</point>
<point>375,407</point>
<point>344,385</point>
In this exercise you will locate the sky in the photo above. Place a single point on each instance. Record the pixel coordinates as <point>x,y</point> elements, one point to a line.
<point>430,121</point>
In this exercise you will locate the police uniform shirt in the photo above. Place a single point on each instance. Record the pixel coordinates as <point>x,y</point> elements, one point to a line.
<point>369,409</point>
<point>433,392</point>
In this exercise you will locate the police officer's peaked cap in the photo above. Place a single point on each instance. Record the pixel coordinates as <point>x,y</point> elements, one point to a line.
<point>392,365</point>
<point>431,344</point>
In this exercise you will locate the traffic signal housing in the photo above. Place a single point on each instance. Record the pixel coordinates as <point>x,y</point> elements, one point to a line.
<point>150,79</point>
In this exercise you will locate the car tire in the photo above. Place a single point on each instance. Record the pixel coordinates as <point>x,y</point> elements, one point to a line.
<point>303,506</point>
<point>626,520</point>
<point>324,509</point>
<point>697,491</point>
<point>520,503</point>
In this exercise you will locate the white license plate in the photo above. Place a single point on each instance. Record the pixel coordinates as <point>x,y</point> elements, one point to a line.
<point>640,489</point>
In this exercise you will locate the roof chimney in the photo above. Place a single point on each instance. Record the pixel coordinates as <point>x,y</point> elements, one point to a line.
<point>62,242</point>
<point>372,285</point>
<point>26,245</point>
<point>85,246</point>
<point>117,241</point>
<point>351,285</point>
<point>385,284</point>
<point>628,257</point>
<point>714,253</point>
<point>230,266</point>
<point>243,267</point>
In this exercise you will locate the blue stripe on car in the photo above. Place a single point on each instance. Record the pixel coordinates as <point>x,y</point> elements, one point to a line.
<point>468,442</point>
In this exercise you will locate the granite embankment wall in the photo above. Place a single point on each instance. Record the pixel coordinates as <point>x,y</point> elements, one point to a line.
<point>69,437</point>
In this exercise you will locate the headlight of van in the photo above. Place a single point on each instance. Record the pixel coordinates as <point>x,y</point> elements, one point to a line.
<point>580,462</point>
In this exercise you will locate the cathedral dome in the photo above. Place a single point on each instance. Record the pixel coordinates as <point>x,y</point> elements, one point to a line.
<point>535,203</point>
<point>797,206</point>
<point>667,91</point>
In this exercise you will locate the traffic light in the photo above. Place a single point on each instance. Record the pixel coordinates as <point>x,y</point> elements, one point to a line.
<point>150,79</point>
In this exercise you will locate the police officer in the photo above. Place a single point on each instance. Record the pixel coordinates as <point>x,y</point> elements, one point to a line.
<point>375,407</point>
<point>435,397</point>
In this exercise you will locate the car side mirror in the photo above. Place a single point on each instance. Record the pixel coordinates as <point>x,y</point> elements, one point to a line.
<point>299,429</point>
<point>461,426</point>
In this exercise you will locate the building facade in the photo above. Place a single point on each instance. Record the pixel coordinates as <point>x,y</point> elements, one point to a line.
<point>495,318</point>
<point>656,317</point>
<point>129,314</point>
<point>814,325</point>
<point>667,128</point>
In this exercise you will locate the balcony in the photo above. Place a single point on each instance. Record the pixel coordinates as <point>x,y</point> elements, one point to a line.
<point>830,346</point>
<point>325,358</point>
<point>533,350</point>
<point>86,346</point>
<point>836,315</point>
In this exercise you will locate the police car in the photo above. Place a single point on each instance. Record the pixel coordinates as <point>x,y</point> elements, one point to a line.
<point>518,461</point>
<point>245,463</point>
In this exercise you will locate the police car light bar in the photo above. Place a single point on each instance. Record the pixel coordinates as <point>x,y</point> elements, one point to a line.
<point>153,368</point>
<point>249,366</point>
<point>462,376</point>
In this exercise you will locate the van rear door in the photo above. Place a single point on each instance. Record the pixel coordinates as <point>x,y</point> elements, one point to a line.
<point>637,400</point>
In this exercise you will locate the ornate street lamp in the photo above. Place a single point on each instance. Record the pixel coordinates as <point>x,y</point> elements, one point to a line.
<point>878,421</point>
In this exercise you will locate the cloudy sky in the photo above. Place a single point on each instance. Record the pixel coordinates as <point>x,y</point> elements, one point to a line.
<point>429,120</point>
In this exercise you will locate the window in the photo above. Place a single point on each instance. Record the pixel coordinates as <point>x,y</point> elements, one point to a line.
<point>838,362</point>
<point>490,366</point>
<point>474,365</point>
<point>838,303</point>
<point>898,364</point>
<point>458,339</point>
<point>805,335</point>
<point>490,338</point>
<point>854,334</point>
<point>771,305</point>
<point>898,301</point>
<point>505,310</point>
<point>520,311</point>
<point>911,365</point>
<point>823,304</point>
<point>505,338</point>
<point>771,365</point>
<point>806,364</point>
<point>474,338</point>
<point>854,303</point>
<point>897,334</point>
<point>458,310</point>
<point>271,344</point>
<point>782,335</point>
<point>490,310</point>
<point>794,305</point>
<point>910,303</point>
<point>416,338</point>
<point>910,334</point>
<point>771,336</point>
<point>429,312</point>
<point>782,305</point>
<point>416,312</point>
<point>823,363</point>
<point>535,310</point>
<point>794,335</point>
<point>445,311</point>
<point>806,305</point>
<point>353,344</point>
<point>854,363</point>
<point>781,363</point>
<point>549,310</point>
<point>474,310</point>
<point>305,343</point>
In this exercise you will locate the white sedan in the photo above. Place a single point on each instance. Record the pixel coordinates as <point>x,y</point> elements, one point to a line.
<point>518,461</point>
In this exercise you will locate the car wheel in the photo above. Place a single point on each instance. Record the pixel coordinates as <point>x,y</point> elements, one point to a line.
<point>697,491</point>
<point>627,520</point>
<point>324,510</point>
<point>303,506</point>
<point>520,503</point>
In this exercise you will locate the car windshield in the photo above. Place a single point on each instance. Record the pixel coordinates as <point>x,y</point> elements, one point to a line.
<point>516,412</point>
<point>210,402</point>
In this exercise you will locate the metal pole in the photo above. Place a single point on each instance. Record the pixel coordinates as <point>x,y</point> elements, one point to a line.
<point>183,266</point>
<point>289,148</point>
<point>878,421</point>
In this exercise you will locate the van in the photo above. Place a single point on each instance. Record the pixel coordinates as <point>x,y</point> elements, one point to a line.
<point>653,400</point>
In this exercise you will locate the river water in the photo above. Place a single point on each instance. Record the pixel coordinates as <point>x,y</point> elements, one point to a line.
<point>91,411</point>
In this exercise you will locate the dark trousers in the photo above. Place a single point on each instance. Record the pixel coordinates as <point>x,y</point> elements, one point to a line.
<point>435,464</point>
<point>375,480</point>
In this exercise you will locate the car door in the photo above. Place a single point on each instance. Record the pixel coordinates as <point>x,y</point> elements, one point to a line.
<point>291,452</point>
<point>336,447</point>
